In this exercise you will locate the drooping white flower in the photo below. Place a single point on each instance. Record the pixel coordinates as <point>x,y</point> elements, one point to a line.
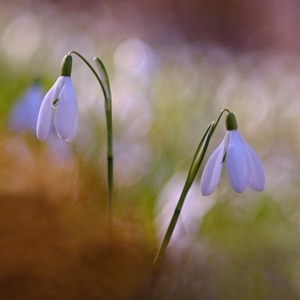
<point>243,166</point>
<point>61,98</point>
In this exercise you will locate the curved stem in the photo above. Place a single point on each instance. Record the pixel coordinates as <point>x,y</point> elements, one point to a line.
<point>92,69</point>
<point>108,114</point>
<point>196,163</point>
<point>221,114</point>
<point>197,160</point>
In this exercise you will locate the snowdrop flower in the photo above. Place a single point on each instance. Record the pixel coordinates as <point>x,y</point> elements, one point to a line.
<point>25,113</point>
<point>60,97</point>
<point>243,165</point>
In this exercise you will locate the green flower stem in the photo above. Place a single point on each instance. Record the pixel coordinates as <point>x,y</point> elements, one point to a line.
<point>108,113</point>
<point>196,163</point>
<point>198,158</point>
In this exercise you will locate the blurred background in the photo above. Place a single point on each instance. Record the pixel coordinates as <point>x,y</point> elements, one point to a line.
<point>173,65</point>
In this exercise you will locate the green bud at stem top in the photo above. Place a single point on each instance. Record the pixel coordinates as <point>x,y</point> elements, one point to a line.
<point>66,66</point>
<point>231,122</point>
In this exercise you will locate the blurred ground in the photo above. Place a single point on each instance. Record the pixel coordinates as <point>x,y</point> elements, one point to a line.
<point>54,239</point>
<point>173,67</point>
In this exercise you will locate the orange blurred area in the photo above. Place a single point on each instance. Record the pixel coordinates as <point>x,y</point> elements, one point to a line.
<point>54,240</point>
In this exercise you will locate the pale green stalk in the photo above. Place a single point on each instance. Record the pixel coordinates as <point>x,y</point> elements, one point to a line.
<point>108,113</point>
<point>196,163</point>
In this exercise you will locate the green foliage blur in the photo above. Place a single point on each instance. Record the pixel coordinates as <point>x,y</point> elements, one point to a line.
<point>164,96</point>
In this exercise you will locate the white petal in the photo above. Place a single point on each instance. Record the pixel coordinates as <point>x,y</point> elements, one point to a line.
<point>44,117</point>
<point>237,163</point>
<point>66,111</point>
<point>73,133</point>
<point>212,171</point>
<point>257,177</point>
<point>59,84</point>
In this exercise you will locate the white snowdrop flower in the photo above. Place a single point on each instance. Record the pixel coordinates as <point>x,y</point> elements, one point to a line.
<point>243,166</point>
<point>61,98</point>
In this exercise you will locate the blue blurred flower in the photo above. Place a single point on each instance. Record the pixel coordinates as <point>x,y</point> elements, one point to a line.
<point>243,165</point>
<point>60,97</point>
<point>25,113</point>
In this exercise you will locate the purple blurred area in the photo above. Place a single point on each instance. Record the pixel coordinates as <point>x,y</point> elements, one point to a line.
<point>242,25</point>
